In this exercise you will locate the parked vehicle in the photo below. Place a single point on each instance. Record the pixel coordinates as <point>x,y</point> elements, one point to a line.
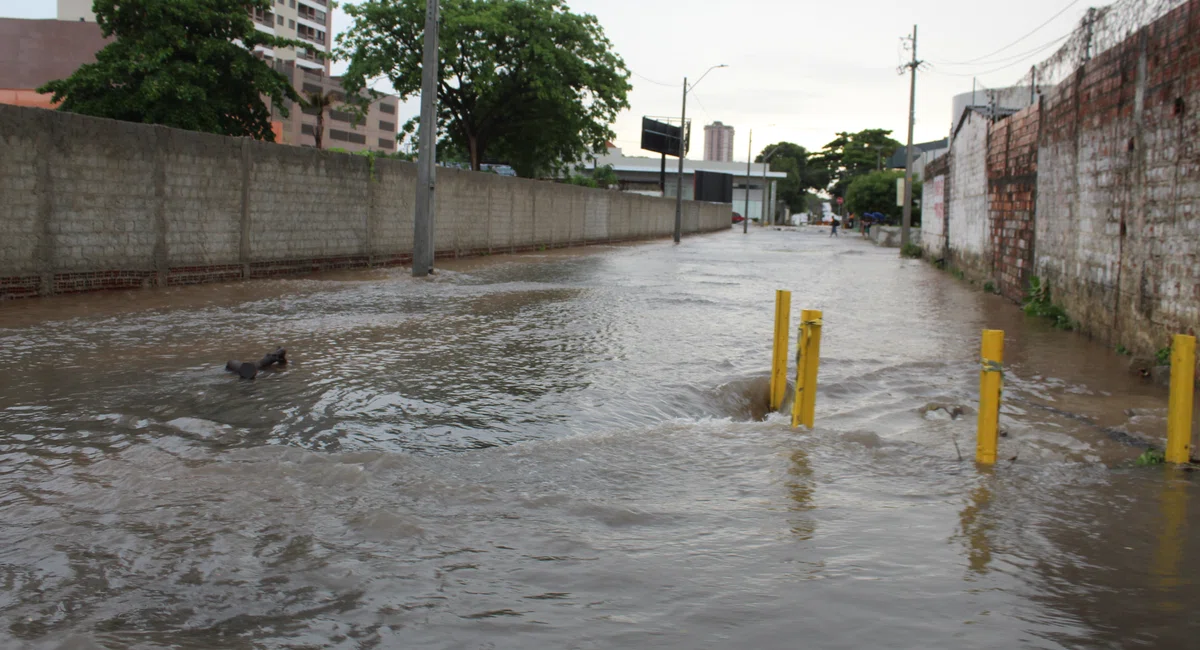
<point>737,218</point>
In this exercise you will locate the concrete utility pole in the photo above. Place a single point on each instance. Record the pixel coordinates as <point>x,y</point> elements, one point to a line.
<point>427,155</point>
<point>749,157</point>
<point>912,116</point>
<point>683,138</point>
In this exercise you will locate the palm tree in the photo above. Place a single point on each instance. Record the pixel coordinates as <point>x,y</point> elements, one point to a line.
<point>319,100</point>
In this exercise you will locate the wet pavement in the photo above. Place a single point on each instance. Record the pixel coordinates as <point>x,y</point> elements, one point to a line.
<point>570,449</point>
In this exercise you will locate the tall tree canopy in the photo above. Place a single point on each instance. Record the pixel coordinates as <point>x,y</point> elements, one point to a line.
<point>182,63</point>
<point>801,175</point>
<point>851,155</point>
<point>876,192</point>
<point>525,82</point>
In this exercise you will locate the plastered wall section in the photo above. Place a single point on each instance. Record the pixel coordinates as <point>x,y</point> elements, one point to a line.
<point>89,204</point>
<point>967,209</point>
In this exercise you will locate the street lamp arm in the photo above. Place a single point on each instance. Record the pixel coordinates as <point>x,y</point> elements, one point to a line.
<point>693,87</point>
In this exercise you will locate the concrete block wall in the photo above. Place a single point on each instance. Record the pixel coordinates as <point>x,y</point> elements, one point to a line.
<point>99,204</point>
<point>969,237</point>
<point>1012,165</point>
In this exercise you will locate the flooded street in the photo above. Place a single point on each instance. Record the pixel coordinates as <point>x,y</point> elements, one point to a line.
<point>568,450</point>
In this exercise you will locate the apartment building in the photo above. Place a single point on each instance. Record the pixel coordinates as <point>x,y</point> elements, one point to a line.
<point>718,142</point>
<point>304,20</point>
<point>343,128</point>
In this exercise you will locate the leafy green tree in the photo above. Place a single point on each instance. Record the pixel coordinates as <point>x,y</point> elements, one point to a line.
<point>801,175</point>
<point>183,63</point>
<point>876,192</point>
<point>850,155</point>
<point>524,82</point>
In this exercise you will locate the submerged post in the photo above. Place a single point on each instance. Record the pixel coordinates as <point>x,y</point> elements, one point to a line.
<point>1179,408</point>
<point>991,375</point>
<point>783,317</point>
<point>804,403</point>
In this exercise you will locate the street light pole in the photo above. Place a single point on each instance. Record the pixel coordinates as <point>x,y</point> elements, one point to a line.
<point>427,156</point>
<point>749,157</point>
<point>683,138</point>
<point>767,193</point>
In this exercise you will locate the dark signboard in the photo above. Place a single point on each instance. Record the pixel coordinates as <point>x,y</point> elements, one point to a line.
<point>714,187</point>
<point>660,137</point>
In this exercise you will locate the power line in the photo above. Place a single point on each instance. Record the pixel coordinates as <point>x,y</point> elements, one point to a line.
<point>653,81</point>
<point>1027,35</point>
<point>1016,57</point>
<point>1024,58</point>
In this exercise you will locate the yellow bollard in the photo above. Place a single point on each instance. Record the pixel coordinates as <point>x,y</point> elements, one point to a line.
<point>991,376</point>
<point>808,359</point>
<point>783,317</point>
<point>1179,409</point>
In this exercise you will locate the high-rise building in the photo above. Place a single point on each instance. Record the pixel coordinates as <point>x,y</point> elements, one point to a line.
<point>718,142</point>
<point>50,50</point>
<point>306,20</point>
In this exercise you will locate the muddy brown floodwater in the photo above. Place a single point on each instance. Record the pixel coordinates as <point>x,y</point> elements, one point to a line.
<point>562,451</point>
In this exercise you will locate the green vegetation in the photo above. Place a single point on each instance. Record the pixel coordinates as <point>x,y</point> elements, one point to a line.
<point>851,155</point>
<point>1038,303</point>
<point>1151,456</point>
<point>1163,356</point>
<point>602,177</point>
<point>1121,349</point>
<point>989,287</point>
<point>522,81</point>
<point>188,64</point>
<point>876,192</point>
<point>802,176</point>
<point>912,251</point>
<point>958,274</point>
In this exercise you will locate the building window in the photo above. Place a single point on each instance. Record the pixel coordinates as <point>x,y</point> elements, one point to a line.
<point>312,88</point>
<point>308,129</point>
<point>346,136</point>
<point>390,127</point>
<point>384,143</point>
<point>280,19</point>
<point>342,116</point>
<point>292,25</point>
<point>387,108</point>
<point>292,4</point>
<point>308,33</point>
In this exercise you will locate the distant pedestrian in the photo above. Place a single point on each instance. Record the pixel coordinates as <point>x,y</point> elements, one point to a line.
<point>833,229</point>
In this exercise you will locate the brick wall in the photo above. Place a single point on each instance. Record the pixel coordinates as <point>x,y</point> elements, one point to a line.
<point>95,204</point>
<point>968,234</point>
<point>1117,230</point>
<point>1012,163</point>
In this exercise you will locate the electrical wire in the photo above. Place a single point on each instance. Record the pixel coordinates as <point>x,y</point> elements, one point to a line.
<point>1016,57</point>
<point>1028,56</point>
<point>659,83</point>
<point>1027,35</point>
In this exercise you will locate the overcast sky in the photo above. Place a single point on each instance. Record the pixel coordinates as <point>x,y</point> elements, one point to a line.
<point>799,70</point>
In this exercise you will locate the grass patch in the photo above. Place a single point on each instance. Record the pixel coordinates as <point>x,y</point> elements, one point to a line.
<point>911,251</point>
<point>958,274</point>
<point>1151,456</point>
<point>1039,303</point>
<point>989,287</point>
<point>1121,349</point>
<point>1163,356</point>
